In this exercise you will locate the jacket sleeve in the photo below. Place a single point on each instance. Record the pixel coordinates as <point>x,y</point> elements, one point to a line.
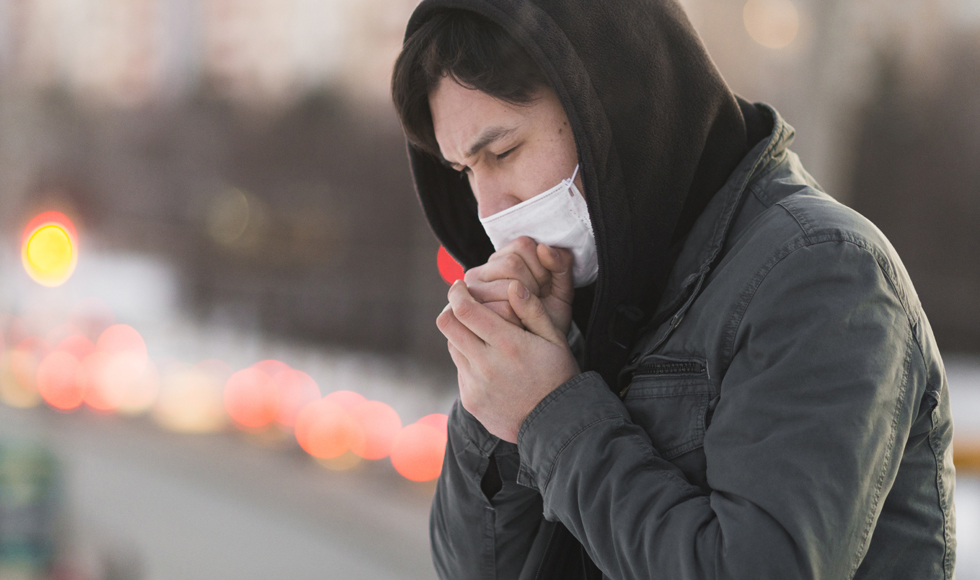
<point>474,536</point>
<point>803,446</point>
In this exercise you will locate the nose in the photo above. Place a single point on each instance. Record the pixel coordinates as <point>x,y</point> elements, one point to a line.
<point>491,196</point>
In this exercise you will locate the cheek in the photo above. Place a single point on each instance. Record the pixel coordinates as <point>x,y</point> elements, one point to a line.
<point>537,173</point>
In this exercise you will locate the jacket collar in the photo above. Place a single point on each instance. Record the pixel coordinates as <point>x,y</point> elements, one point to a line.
<point>703,248</point>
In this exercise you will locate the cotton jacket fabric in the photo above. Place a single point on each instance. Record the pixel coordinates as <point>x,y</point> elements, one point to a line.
<point>761,395</point>
<point>790,419</point>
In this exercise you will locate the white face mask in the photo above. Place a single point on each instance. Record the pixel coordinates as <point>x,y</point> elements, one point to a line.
<point>558,217</point>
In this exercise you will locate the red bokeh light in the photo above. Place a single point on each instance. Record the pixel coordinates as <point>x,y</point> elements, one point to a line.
<point>77,345</point>
<point>296,390</point>
<point>48,217</point>
<point>346,399</point>
<point>58,380</point>
<point>324,429</point>
<point>418,450</point>
<point>437,420</point>
<point>252,398</point>
<point>449,268</point>
<point>271,367</point>
<point>380,424</point>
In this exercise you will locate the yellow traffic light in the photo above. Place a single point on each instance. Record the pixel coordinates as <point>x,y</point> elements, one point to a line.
<point>49,250</point>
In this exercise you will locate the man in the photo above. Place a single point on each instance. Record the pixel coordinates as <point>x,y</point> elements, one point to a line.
<point>683,360</point>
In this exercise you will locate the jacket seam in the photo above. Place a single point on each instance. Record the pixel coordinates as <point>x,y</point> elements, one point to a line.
<point>748,295</point>
<point>892,436</point>
<point>548,400</point>
<point>557,455</point>
<point>940,462</point>
<point>797,219</point>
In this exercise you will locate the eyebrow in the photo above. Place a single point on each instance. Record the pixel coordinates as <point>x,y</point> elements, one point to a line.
<point>487,136</point>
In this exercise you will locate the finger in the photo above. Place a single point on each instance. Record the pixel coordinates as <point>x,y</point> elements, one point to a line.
<point>559,262</point>
<point>493,291</point>
<point>459,359</point>
<point>531,311</point>
<point>504,310</point>
<point>507,266</point>
<point>526,248</point>
<point>480,320</point>
<point>458,334</point>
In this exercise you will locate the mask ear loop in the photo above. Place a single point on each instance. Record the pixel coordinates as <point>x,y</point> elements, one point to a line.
<point>574,173</point>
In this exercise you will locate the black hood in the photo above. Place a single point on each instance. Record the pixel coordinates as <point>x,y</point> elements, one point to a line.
<point>658,132</point>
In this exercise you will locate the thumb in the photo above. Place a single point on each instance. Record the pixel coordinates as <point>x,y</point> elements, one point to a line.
<point>559,262</point>
<point>530,310</point>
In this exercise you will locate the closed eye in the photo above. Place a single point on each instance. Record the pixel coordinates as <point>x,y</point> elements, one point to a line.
<point>506,153</point>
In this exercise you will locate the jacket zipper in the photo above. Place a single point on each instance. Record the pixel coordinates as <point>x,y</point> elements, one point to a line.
<point>666,368</point>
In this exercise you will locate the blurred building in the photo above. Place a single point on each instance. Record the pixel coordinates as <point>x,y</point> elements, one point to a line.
<point>251,143</point>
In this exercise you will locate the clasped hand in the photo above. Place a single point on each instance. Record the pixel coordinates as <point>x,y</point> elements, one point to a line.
<point>506,324</point>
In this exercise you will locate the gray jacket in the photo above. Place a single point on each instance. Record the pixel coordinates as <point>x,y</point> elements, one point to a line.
<point>790,419</point>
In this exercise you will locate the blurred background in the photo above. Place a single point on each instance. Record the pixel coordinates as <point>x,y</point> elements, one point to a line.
<point>211,200</point>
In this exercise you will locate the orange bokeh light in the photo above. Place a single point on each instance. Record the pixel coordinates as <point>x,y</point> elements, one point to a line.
<point>252,398</point>
<point>418,450</point>
<point>49,248</point>
<point>325,430</point>
<point>58,380</point>
<point>296,390</point>
<point>380,424</point>
<point>449,268</point>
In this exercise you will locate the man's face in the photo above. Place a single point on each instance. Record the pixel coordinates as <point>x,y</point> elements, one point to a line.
<point>510,153</point>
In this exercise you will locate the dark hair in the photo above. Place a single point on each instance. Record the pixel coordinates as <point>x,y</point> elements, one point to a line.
<point>468,48</point>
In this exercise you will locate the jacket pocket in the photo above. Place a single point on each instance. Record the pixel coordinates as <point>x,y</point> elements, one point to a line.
<point>669,397</point>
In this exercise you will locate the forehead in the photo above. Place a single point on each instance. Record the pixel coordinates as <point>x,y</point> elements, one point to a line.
<point>459,114</point>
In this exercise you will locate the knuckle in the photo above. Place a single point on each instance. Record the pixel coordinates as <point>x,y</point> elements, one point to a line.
<point>513,262</point>
<point>442,321</point>
<point>526,243</point>
<point>464,310</point>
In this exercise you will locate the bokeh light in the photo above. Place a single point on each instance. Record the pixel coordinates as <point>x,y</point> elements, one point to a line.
<point>325,430</point>
<point>380,424</point>
<point>296,390</point>
<point>122,339</point>
<point>190,399</point>
<point>24,359</point>
<point>438,420</point>
<point>142,392</point>
<point>77,345</point>
<point>117,374</point>
<point>418,450</point>
<point>252,398</point>
<point>449,268</point>
<point>346,399</point>
<point>49,248</point>
<point>271,366</point>
<point>771,23</point>
<point>58,380</point>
